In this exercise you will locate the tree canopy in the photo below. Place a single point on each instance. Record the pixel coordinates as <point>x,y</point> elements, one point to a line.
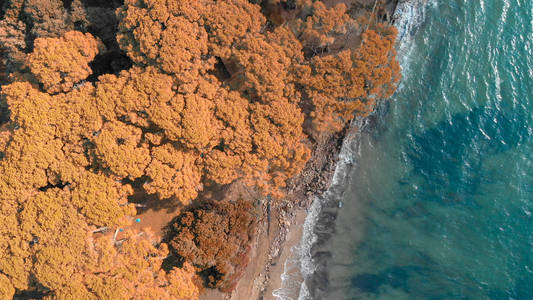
<point>216,93</point>
<point>215,238</point>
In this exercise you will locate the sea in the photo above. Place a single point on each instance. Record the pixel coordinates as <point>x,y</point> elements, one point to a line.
<point>433,196</point>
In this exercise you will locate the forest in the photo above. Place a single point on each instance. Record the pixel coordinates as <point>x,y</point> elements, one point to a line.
<point>104,100</point>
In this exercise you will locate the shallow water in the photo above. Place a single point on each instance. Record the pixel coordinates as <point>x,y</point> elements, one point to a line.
<point>439,204</point>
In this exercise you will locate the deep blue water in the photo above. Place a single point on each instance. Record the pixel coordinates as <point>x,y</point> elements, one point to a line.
<point>440,202</point>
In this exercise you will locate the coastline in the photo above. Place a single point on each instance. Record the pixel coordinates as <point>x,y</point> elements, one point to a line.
<point>408,16</point>
<point>271,249</point>
<point>276,250</point>
<point>273,256</point>
<point>270,252</point>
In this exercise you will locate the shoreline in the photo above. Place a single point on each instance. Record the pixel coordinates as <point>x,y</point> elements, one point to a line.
<point>270,252</point>
<point>264,274</point>
<point>288,256</point>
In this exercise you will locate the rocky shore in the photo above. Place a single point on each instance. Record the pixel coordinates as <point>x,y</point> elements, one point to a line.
<point>266,265</point>
<point>273,242</point>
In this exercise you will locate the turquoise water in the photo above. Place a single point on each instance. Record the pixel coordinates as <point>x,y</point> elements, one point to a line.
<point>440,203</point>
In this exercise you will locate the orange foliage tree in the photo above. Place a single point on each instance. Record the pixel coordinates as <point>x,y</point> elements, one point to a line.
<point>61,179</point>
<point>59,63</point>
<point>323,25</point>
<point>215,238</point>
<point>351,81</point>
<point>25,20</point>
<point>263,141</point>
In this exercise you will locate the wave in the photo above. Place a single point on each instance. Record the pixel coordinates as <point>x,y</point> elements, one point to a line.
<point>306,266</point>
<point>408,17</point>
<point>318,226</point>
<point>302,265</point>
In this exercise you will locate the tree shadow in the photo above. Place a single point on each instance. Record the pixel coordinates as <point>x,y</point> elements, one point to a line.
<point>148,201</point>
<point>111,62</point>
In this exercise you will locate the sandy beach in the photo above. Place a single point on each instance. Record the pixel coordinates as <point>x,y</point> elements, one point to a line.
<point>294,237</point>
<point>272,246</point>
<point>266,266</point>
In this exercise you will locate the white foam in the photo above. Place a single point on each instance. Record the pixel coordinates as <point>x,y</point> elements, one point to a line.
<point>300,259</point>
<point>302,252</point>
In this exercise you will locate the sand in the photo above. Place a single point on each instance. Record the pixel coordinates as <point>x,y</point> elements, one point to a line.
<point>294,237</point>
<point>263,274</point>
